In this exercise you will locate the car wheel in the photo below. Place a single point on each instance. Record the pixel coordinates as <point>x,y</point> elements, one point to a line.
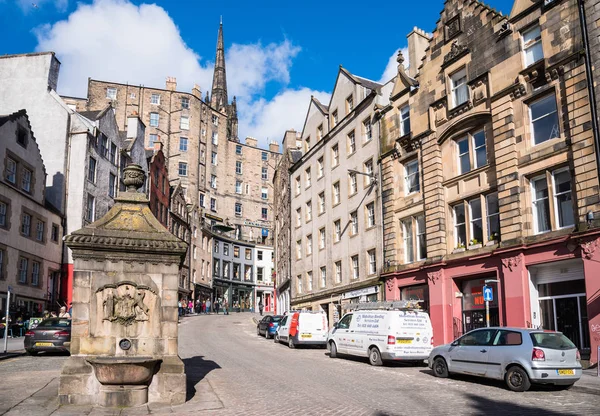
<point>332,350</point>
<point>291,343</point>
<point>375,356</point>
<point>517,379</point>
<point>440,368</point>
<point>258,331</point>
<point>276,339</point>
<point>267,334</point>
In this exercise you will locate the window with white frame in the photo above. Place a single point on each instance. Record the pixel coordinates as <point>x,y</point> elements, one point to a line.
<point>92,170</point>
<point>39,231</point>
<point>238,187</point>
<point>214,158</point>
<point>319,132</point>
<point>354,223</point>
<point>183,144</point>
<point>351,142</point>
<point>404,120</point>
<point>464,161</point>
<point>350,103</point>
<point>26,175</point>
<point>532,45</point>
<point>238,167</point>
<point>264,156</point>
<point>458,85</point>
<point>493,216</point>
<point>11,170</point>
<point>367,130</point>
<point>213,181</point>
<point>355,270</point>
<point>264,193</point>
<point>408,237</point>
<point>561,184</point>
<point>154,119</point>
<point>35,273</point>
<point>353,183</point>
<point>541,204</point>
<point>411,177</point>
<point>23,266</point>
<point>298,186</point>
<point>368,168</point>
<point>184,123</point>
<point>308,211</point>
<point>338,271</point>
<point>264,213</point>
<point>238,149</point>
<point>335,155</point>
<point>152,138</point>
<point>321,202</point>
<point>111,93</point>
<point>299,277</point>
<point>264,174</point>
<point>213,204</point>
<point>372,262</point>
<point>215,120</point>
<point>323,277</point>
<point>238,209</point>
<point>479,149</point>
<point>334,118</point>
<point>298,249</point>
<point>307,178</point>
<point>337,230</point>
<point>185,103</point>
<point>471,151</point>
<point>544,119</point>
<point>421,239</point>
<point>155,99</point>
<point>476,222</point>
<point>26,224</point>
<point>307,144</point>
<point>298,217</point>
<point>90,213</point>
<point>309,281</point>
<point>336,193</point>
<point>322,237</point>
<point>371,215</point>
<point>320,167</point>
<point>215,138</point>
<point>3,213</point>
<point>460,228</point>
<point>309,244</point>
<point>182,169</point>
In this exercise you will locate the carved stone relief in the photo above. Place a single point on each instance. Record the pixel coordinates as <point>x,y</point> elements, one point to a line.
<point>479,89</point>
<point>124,303</point>
<point>440,111</point>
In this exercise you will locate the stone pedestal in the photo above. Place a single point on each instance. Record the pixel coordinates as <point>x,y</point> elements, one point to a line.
<point>124,332</point>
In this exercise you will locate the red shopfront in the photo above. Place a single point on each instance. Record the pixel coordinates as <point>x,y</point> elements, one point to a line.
<point>454,300</point>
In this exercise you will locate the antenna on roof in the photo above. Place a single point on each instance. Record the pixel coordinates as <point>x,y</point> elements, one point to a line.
<point>221,20</point>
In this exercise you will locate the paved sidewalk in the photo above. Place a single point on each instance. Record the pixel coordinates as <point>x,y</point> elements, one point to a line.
<point>14,348</point>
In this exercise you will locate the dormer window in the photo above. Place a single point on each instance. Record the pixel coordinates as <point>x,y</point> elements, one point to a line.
<point>334,118</point>
<point>532,45</point>
<point>350,103</point>
<point>319,132</point>
<point>458,84</point>
<point>404,121</point>
<point>22,137</point>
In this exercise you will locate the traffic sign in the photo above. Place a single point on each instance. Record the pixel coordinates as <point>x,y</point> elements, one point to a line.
<point>488,294</point>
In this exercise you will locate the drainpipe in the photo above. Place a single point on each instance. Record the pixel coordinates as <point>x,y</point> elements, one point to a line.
<point>590,83</point>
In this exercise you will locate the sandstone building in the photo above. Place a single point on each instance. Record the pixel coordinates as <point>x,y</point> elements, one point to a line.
<point>30,228</point>
<point>336,232</point>
<point>489,173</point>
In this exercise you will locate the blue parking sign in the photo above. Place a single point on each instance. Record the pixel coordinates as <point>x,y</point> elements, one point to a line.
<point>488,294</point>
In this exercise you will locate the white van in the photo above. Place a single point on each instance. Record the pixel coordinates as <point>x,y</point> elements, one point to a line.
<point>383,334</point>
<point>303,328</point>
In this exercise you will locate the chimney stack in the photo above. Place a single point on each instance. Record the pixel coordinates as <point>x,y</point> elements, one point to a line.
<point>196,91</point>
<point>418,41</point>
<point>289,139</point>
<point>171,83</point>
<point>274,147</point>
<point>251,141</point>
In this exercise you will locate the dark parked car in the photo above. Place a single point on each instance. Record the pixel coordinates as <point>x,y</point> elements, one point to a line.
<point>268,325</point>
<point>52,334</point>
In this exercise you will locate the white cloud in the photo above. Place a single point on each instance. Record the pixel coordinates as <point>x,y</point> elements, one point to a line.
<point>268,120</point>
<point>30,5</point>
<point>102,41</point>
<point>391,69</point>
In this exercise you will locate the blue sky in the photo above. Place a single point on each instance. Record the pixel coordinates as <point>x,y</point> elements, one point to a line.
<point>278,53</point>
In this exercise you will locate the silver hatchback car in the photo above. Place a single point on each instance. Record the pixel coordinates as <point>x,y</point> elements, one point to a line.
<point>516,355</point>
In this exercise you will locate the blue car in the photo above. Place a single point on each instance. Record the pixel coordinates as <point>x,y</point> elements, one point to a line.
<point>268,325</point>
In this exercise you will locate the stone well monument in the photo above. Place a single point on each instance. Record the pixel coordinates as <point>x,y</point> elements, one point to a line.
<point>124,331</point>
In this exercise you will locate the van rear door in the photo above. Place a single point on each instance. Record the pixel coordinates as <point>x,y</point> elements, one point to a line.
<point>413,334</point>
<point>312,327</point>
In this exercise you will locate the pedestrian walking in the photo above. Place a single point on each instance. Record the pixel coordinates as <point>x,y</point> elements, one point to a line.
<point>208,310</point>
<point>217,305</point>
<point>191,307</point>
<point>198,306</point>
<point>226,307</point>
<point>179,308</point>
<point>260,307</point>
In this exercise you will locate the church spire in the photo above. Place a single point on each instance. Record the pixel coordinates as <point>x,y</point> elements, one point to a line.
<point>219,86</point>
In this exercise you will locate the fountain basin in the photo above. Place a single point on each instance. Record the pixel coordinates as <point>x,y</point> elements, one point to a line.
<point>131,371</point>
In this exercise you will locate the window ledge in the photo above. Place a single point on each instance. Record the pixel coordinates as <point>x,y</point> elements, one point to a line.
<point>465,176</point>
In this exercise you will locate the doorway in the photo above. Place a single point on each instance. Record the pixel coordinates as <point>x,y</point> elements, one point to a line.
<point>567,314</point>
<point>473,305</point>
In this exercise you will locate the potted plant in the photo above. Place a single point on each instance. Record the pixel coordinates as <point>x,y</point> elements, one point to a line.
<point>474,243</point>
<point>492,240</point>
<point>459,248</point>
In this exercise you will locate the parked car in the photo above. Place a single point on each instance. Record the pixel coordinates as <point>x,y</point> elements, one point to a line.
<point>382,335</point>
<point>303,328</point>
<point>516,355</point>
<point>268,325</point>
<point>52,334</point>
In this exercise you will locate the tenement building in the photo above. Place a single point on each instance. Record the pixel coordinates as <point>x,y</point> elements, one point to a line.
<point>489,174</point>
<point>30,228</point>
<point>336,231</point>
<point>282,217</point>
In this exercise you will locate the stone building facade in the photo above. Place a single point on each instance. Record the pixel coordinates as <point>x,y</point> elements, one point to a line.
<point>489,173</point>
<point>30,229</point>
<point>158,184</point>
<point>336,231</point>
<point>179,225</point>
<point>282,219</point>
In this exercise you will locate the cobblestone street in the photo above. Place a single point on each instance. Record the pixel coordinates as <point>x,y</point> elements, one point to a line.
<point>232,371</point>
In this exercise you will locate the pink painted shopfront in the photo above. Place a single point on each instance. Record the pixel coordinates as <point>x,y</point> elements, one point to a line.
<point>553,286</point>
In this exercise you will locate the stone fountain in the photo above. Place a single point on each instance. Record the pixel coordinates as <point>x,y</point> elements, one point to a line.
<point>124,330</point>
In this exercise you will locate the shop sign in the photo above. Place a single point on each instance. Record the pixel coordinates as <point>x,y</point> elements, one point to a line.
<point>473,295</point>
<point>213,217</point>
<point>361,292</point>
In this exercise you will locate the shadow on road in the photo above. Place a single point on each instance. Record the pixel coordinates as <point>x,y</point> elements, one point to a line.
<point>196,368</point>
<point>480,405</point>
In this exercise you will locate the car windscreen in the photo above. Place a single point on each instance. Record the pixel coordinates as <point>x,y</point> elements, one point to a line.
<point>63,323</point>
<point>551,340</point>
